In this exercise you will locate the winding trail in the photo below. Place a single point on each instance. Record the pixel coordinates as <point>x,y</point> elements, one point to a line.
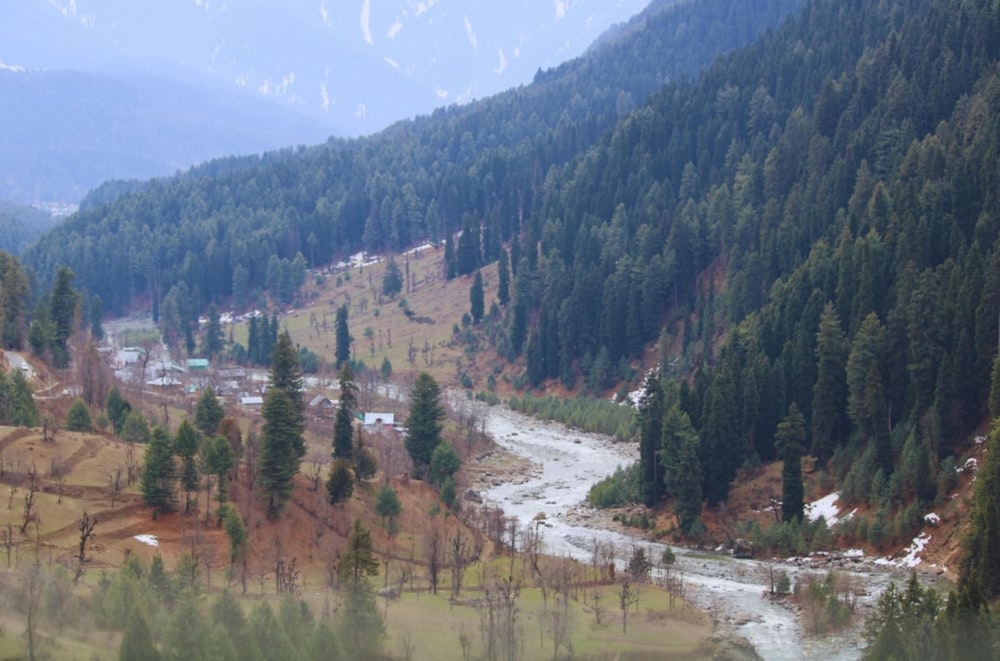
<point>565,463</point>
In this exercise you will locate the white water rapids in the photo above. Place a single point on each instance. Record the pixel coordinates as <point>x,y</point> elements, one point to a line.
<point>566,463</point>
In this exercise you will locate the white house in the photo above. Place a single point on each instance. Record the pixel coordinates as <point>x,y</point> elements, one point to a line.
<point>377,419</point>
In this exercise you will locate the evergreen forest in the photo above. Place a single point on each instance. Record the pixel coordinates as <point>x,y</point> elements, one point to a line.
<point>812,221</point>
<point>791,210</point>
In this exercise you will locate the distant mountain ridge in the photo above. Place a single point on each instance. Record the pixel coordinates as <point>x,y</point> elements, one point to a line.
<point>20,226</point>
<point>72,130</point>
<point>357,67</point>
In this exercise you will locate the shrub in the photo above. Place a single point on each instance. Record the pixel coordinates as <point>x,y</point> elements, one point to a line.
<point>617,489</point>
<point>78,418</point>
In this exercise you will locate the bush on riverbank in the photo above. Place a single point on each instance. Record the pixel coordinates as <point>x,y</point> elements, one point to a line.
<point>599,416</point>
<point>617,489</point>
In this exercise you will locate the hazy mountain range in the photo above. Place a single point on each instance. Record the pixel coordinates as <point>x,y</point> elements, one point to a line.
<point>160,86</point>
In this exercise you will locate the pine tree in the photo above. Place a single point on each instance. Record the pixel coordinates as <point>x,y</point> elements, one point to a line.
<point>361,627</point>
<point>286,376</point>
<point>213,341</point>
<point>188,632</point>
<point>208,412</point>
<point>95,312</point>
<point>995,387</point>
<point>78,418</point>
<point>365,465</point>
<point>135,429</point>
<point>982,545</point>
<point>503,278</point>
<point>830,391</point>
<point>388,507</point>
<point>137,641</point>
<point>343,426</point>
<point>159,472</point>
<point>477,299</point>
<point>62,311</point>
<point>19,401</point>
<point>267,638</point>
<point>218,460</point>
<point>790,441</point>
<point>323,644</point>
<point>279,460</point>
<point>254,340</point>
<point>13,301</point>
<point>424,422</point>
<point>185,447</point>
<point>342,351</point>
<point>444,463</point>
<point>117,409</point>
<point>866,395</point>
<point>392,279</point>
<point>340,484</point>
<point>651,440</point>
<point>682,474</point>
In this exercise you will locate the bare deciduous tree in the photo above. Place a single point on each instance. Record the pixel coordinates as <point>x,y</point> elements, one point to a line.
<point>434,545</point>
<point>87,525</point>
<point>30,599</point>
<point>114,480</point>
<point>29,499</point>
<point>626,597</point>
<point>58,470</point>
<point>132,466</point>
<point>317,462</point>
<point>461,554</point>
<point>596,607</point>
<point>8,541</point>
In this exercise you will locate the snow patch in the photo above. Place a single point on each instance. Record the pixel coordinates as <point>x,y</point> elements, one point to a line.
<point>910,557</point>
<point>148,540</point>
<point>932,519</point>
<point>826,508</point>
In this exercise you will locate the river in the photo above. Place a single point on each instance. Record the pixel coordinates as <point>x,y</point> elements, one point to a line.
<point>565,463</point>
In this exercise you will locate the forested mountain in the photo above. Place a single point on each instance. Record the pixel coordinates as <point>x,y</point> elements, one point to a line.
<point>814,220</point>
<point>216,228</point>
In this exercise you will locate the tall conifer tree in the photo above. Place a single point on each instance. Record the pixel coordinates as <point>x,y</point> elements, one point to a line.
<point>651,440</point>
<point>159,472</point>
<point>342,350</point>
<point>283,445</point>
<point>343,426</point>
<point>830,391</point>
<point>424,422</point>
<point>790,441</point>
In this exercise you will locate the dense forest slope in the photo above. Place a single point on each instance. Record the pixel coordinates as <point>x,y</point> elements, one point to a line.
<point>813,221</point>
<point>216,227</point>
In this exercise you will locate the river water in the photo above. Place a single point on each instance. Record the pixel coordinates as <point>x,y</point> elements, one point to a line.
<point>565,463</point>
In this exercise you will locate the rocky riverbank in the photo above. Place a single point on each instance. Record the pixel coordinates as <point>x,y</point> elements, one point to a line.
<point>543,470</point>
